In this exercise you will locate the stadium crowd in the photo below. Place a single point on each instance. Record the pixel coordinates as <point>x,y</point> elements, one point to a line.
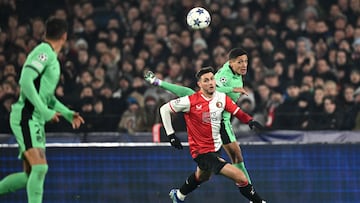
<point>304,58</point>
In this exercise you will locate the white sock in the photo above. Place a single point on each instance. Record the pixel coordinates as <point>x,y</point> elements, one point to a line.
<point>180,195</point>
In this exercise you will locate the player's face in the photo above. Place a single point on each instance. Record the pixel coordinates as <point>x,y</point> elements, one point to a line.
<point>240,64</point>
<point>207,84</point>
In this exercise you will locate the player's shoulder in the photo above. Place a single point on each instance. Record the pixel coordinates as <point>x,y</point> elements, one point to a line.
<point>44,48</point>
<point>42,53</point>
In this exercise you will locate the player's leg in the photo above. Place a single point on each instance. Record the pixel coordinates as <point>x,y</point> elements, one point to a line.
<point>16,181</point>
<point>191,183</point>
<point>178,90</point>
<point>246,189</point>
<point>39,167</point>
<point>231,146</point>
<point>33,136</point>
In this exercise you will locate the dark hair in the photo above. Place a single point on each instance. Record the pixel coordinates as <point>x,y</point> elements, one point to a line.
<point>55,28</point>
<point>234,53</point>
<point>203,71</point>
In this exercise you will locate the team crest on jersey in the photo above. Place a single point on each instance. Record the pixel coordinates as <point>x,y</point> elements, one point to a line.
<point>42,57</point>
<point>219,104</point>
<point>223,79</point>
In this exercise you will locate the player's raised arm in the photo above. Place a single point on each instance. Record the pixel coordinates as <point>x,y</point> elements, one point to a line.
<point>231,107</point>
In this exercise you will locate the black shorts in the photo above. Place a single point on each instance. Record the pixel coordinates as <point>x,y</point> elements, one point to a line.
<point>210,162</point>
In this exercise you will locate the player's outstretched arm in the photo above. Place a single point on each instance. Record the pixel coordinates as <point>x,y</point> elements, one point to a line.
<point>178,90</point>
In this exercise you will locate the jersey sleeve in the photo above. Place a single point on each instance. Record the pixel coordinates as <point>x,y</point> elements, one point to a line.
<point>28,89</point>
<point>231,107</point>
<point>61,108</point>
<point>181,104</point>
<point>38,60</point>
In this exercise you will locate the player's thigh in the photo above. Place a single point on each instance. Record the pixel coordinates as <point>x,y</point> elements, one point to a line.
<point>211,162</point>
<point>35,156</point>
<point>234,152</point>
<point>30,136</point>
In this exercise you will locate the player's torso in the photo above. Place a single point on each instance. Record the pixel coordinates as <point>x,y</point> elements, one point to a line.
<point>203,122</point>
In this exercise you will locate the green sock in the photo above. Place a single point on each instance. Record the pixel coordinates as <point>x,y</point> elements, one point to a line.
<point>35,184</point>
<point>13,182</point>
<point>178,90</point>
<point>242,167</point>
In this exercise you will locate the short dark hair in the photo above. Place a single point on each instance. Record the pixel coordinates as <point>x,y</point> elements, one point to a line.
<point>55,28</point>
<point>203,71</point>
<point>234,53</point>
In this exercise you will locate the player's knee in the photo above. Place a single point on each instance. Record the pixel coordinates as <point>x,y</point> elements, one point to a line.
<point>40,169</point>
<point>241,180</point>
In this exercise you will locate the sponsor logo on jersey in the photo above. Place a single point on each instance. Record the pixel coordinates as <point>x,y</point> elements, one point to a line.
<point>198,107</point>
<point>42,57</point>
<point>177,101</point>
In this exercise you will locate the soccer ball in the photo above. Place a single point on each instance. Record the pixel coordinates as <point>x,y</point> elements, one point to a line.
<point>198,18</point>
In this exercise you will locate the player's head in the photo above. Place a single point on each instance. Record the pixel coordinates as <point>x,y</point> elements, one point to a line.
<point>206,80</point>
<point>56,29</point>
<point>238,61</point>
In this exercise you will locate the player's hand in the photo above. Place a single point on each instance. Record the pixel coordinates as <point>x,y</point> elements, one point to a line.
<point>240,90</point>
<point>55,118</point>
<point>77,120</point>
<point>174,141</point>
<point>254,124</point>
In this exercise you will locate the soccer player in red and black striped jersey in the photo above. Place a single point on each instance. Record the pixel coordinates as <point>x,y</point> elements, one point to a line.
<point>203,114</point>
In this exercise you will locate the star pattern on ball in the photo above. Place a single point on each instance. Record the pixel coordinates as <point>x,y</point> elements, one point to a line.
<point>197,22</point>
<point>207,21</point>
<point>200,11</point>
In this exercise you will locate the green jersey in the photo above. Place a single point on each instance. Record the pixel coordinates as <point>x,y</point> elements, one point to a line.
<point>39,77</point>
<point>227,80</point>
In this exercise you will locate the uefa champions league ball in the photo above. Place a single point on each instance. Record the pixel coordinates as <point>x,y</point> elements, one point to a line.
<point>198,18</point>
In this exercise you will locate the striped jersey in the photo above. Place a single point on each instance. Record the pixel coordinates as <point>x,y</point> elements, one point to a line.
<point>203,119</point>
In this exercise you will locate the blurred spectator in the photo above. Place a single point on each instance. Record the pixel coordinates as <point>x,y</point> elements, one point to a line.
<point>112,43</point>
<point>331,118</point>
<point>352,116</point>
<point>286,113</point>
<point>130,119</point>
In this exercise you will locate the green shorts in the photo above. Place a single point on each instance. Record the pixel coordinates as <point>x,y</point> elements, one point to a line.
<point>226,130</point>
<point>28,134</point>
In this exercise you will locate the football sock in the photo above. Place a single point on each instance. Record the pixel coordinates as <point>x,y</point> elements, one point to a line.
<point>13,182</point>
<point>178,90</point>
<point>190,185</point>
<point>35,184</point>
<point>249,192</point>
<point>242,167</point>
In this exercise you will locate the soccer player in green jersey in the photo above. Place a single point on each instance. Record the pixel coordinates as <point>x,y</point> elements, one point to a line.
<point>229,79</point>
<point>37,105</point>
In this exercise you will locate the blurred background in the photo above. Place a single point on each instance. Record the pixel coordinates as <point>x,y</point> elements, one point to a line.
<point>303,83</point>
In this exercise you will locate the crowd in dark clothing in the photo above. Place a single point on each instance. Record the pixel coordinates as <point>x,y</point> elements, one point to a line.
<point>304,58</point>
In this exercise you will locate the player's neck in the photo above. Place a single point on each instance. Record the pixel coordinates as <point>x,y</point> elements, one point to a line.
<point>206,95</point>
<point>56,45</point>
